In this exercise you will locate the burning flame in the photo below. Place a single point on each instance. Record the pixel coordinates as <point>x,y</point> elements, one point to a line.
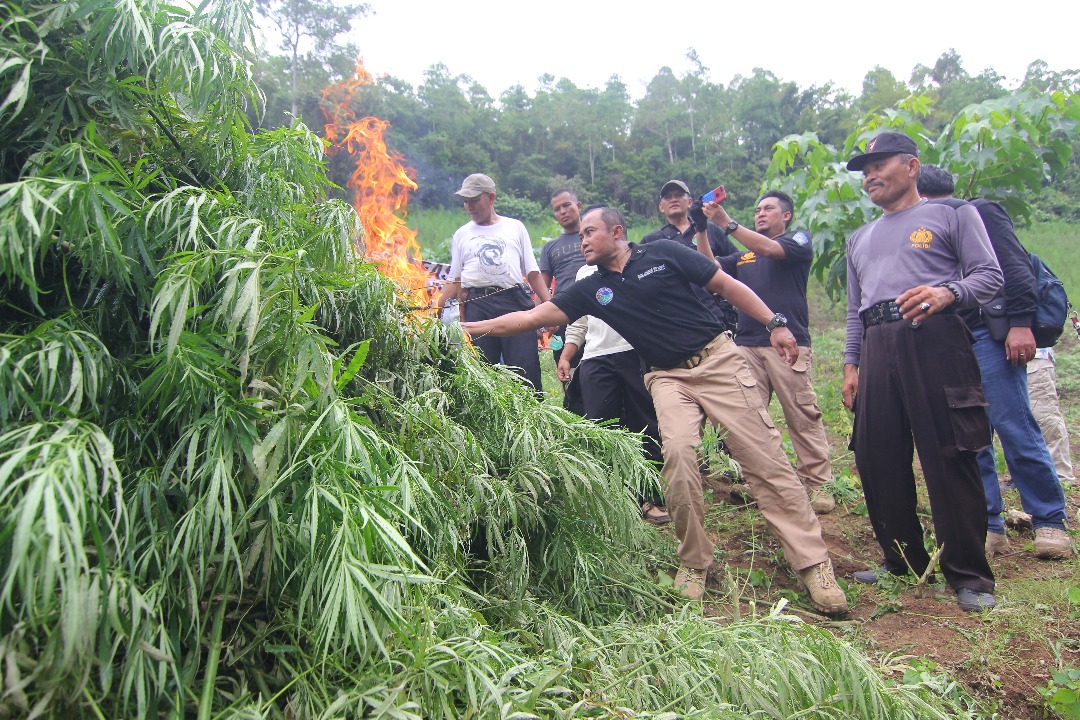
<point>380,187</point>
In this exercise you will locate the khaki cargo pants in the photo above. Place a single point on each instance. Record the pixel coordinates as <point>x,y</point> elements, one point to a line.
<point>722,390</point>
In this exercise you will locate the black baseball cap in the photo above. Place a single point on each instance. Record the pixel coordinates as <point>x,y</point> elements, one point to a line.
<point>670,184</point>
<point>887,143</point>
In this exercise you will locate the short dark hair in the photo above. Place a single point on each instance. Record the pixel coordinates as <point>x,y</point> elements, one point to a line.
<point>787,205</point>
<point>560,191</point>
<point>609,215</point>
<point>935,181</point>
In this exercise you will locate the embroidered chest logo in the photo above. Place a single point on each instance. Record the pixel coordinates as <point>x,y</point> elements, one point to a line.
<point>748,257</point>
<point>650,271</point>
<point>921,238</point>
<point>604,295</point>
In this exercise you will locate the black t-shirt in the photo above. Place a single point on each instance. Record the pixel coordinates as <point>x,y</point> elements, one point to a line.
<point>651,302</point>
<point>562,259</point>
<point>721,246</point>
<point>780,282</point>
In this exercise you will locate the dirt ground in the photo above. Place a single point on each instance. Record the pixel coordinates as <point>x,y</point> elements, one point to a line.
<point>1001,658</point>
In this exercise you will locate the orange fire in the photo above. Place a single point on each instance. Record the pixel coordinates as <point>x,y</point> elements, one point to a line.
<point>380,187</point>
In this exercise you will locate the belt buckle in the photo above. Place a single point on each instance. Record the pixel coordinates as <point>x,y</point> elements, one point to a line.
<point>696,359</point>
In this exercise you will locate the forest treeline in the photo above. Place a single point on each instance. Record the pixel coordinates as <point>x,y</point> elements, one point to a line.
<point>613,148</point>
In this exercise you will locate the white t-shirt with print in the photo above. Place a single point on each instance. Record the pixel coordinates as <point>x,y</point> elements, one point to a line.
<point>485,255</point>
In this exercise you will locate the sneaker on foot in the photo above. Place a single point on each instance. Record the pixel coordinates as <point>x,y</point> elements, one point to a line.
<point>822,501</point>
<point>654,514</point>
<point>975,601</point>
<point>996,544</point>
<point>1052,543</point>
<point>690,582</point>
<point>825,593</point>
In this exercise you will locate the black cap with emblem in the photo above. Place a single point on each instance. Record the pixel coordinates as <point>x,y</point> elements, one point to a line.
<point>887,143</point>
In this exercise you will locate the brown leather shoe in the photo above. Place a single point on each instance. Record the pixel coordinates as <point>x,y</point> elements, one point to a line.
<point>741,493</point>
<point>825,593</point>
<point>654,514</point>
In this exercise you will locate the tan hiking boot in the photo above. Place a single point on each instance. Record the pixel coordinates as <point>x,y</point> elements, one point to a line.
<point>996,544</point>
<point>825,593</point>
<point>690,583</point>
<point>822,501</point>
<point>1052,543</point>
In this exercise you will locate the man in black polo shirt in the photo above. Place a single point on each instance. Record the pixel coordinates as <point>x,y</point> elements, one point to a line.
<point>777,268</point>
<point>675,200</point>
<point>644,293</point>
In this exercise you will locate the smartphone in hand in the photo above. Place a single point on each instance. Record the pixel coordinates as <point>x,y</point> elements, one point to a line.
<point>717,196</point>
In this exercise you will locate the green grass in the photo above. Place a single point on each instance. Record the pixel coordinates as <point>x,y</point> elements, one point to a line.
<point>1056,243</point>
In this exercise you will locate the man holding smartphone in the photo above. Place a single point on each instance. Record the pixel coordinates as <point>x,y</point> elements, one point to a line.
<point>777,268</point>
<point>675,200</point>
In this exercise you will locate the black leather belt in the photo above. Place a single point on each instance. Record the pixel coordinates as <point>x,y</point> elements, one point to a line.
<point>887,312</point>
<point>485,290</point>
<point>883,312</point>
<point>699,357</point>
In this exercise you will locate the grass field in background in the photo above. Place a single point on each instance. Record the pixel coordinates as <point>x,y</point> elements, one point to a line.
<point>1056,243</point>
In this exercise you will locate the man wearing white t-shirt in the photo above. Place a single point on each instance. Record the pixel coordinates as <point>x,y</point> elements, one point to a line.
<point>489,258</point>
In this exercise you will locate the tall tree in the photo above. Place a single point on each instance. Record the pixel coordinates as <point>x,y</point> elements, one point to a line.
<point>318,22</point>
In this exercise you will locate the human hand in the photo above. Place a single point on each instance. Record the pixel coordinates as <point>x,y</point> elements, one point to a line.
<point>697,215</point>
<point>784,343</point>
<point>1020,345</point>
<point>563,368</point>
<point>850,386</point>
<point>922,301</point>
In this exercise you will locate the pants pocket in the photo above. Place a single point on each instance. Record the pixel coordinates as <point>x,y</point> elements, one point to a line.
<point>967,414</point>
<point>751,397</point>
<point>807,400</point>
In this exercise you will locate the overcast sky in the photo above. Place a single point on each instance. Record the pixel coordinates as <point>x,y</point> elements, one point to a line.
<point>501,43</point>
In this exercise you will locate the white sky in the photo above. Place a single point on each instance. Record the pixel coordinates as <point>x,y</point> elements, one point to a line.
<point>504,42</point>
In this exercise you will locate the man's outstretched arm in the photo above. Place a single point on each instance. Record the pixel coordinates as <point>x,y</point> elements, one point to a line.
<point>515,323</point>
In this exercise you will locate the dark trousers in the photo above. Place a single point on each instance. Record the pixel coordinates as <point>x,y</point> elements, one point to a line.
<point>919,389</point>
<point>612,388</point>
<point>518,352</point>
<point>572,399</point>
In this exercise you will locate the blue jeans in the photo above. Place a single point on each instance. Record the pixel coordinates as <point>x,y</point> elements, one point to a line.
<point>1026,454</point>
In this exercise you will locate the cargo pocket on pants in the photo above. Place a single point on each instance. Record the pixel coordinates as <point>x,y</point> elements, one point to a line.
<point>971,426</point>
<point>748,385</point>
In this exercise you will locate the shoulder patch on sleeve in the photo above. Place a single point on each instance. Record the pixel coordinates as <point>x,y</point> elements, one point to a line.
<point>800,238</point>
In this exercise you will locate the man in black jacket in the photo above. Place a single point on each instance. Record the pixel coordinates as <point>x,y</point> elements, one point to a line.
<point>675,200</point>
<point>1002,362</point>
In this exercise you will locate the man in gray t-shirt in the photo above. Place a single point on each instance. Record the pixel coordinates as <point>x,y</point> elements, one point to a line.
<point>910,373</point>
<point>560,259</point>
